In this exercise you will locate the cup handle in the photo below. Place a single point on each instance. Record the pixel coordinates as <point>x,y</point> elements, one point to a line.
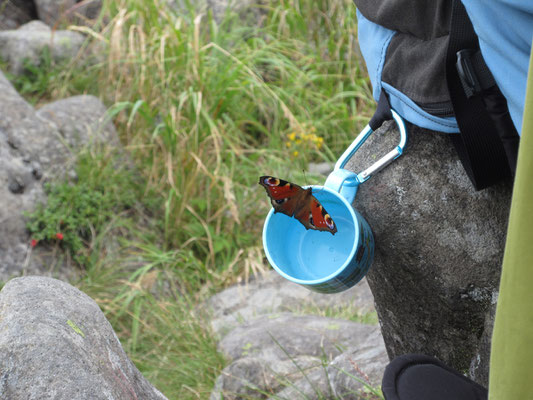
<point>346,182</point>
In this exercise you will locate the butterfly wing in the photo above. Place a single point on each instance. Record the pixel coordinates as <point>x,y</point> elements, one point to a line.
<point>284,196</point>
<point>314,216</point>
<point>293,200</point>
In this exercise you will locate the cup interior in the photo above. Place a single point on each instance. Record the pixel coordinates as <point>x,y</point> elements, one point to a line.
<point>310,256</point>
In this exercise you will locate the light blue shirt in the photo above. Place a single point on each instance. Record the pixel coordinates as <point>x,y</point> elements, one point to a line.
<point>505,31</point>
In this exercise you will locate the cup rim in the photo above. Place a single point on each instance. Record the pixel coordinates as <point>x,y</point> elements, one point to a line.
<point>331,276</point>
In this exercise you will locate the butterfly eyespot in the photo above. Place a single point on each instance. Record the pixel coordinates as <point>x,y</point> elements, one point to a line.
<point>272,181</point>
<point>329,221</point>
<point>279,201</point>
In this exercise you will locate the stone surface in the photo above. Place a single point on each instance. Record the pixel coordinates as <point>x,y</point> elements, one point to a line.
<point>350,376</point>
<point>439,246</point>
<point>57,344</point>
<point>479,366</point>
<point>65,12</point>
<point>250,11</point>
<point>271,294</point>
<point>14,13</point>
<point>29,41</point>
<point>35,147</point>
<point>274,350</point>
<point>324,168</point>
<point>80,120</point>
<point>22,137</point>
<point>20,191</point>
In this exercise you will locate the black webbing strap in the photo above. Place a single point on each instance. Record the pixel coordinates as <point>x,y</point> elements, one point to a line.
<point>477,80</point>
<point>478,145</point>
<point>383,112</point>
<point>496,104</point>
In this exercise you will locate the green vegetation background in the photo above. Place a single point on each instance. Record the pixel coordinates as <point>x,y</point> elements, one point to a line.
<point>202,109</point>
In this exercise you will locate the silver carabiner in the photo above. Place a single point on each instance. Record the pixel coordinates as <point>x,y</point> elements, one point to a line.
<point>382,162</point>
<point>347,182</point>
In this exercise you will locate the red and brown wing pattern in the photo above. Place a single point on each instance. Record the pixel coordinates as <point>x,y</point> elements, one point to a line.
<point>293,200</point>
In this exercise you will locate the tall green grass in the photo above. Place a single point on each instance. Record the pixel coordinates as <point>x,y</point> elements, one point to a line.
<point>208,108</point>
<point>204,108</point>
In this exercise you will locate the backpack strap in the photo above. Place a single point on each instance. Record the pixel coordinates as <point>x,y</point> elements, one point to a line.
<point>475,99</point>
<point>477,79</point>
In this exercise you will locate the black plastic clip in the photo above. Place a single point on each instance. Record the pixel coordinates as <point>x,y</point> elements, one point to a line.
<point>467,72</point>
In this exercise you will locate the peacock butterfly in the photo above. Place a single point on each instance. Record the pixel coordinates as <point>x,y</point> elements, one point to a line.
<point>295,201</point>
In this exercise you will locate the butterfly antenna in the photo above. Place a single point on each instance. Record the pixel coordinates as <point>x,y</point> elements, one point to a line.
<point>305,177</point>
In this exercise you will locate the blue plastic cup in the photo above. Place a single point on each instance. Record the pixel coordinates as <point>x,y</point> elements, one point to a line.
<point>318,260</point>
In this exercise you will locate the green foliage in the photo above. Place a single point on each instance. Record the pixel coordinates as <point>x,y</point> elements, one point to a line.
<point>44,79</point>
<point>38,77</point>
<point>75,213</point>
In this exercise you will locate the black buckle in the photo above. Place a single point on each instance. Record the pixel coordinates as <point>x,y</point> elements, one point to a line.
<point>467,72</point>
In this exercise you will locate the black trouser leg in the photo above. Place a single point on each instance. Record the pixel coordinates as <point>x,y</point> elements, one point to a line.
<point>419,377</point>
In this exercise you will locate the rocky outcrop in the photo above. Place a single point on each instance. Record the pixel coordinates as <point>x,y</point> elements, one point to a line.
<point>36,146</point>
<point>277,346</point>
<point>270,294</point>
<point>356,374</point>
<point>281,351</point>
<point>80,120</point>
<point>57,344</point>
<point>27,43</point>
<point>439,246</point>
<point>64,12</point>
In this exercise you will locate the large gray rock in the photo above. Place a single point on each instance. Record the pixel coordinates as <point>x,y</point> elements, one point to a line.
<point>80,120</point>
<point>35,147</point>
<point>439,246</point>
<point>57,344</point>
<point>20,192</point>
<point>14,13</point>
<point>26,132</point>
<point>271,294</point>
<point>29,41</point>
<point>53,134</point>
<point>64,12</point>
<point>274,350</point>
<point>22,137</point>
